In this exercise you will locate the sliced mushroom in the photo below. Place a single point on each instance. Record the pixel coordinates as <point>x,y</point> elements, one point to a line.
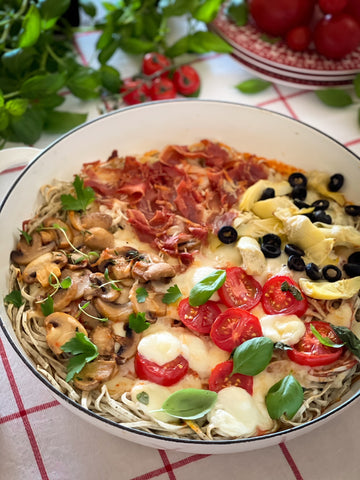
<point>126,345</point>
<point>96,219</point>
<point>104,288</point>
<point>98,238</point>
<point>62,239</point>
<point>95,373</point>
<point>60,328</point>
<point>116,312</point>
<point>80,287</point>
<point>153,305</point>
<point>26,253</point>
<point>42,267</point>
<point>152,271</point>
<point>102,337</point>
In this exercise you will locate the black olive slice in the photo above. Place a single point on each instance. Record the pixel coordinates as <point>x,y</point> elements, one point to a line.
<point>271,238</point>
<point>267,193</point>
<point>331,273</point>
<point>227,234</point>
<point>321,204</point>
<point>354,258</point>
<point>352,210</point>
<point>313,271</point>
<point>296,263</point>
<point>299,192</point>
<point>297,179</point>
<point>300,204</point>
<point>291,249</point>
<point>352,269</point>
<point>321,216</point>
<point>336,182</point>
<point>270,250</point>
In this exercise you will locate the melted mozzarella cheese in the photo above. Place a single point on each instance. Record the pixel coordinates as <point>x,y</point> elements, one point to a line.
<point>282,328</point>
<point>161,347</point>
<point>236,414</point>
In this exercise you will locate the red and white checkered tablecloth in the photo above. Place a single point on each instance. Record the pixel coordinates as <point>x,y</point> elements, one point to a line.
<point>40,439</point>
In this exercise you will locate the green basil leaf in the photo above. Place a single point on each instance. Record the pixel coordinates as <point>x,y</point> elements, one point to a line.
<point>47,307</point>
<point>89,7</point>
<point>357,85</point>
<point>238,12</point>
<point>136,46</point>
<point>253,356</point>
<point>178,48</point>
<point>4,118</point>
<point>110,78</point>
<point>324,340</point>
<point>108,51</point>
<point>28,127</point>
<point>17,106</point>
<point>143,397</point>
<point>137,322</point>
<point>50,9</point>
<point>14,298</point>
<point>141,294</point>
<point>42,85</point>
<point>17,61</point>
<point>2,99</point>
<point>106,36</point>
<point>59,122</point>
<point>207,11</point>
<point>253,85</point>
<point>50,101</point>
<point>176,8</point>
<point>203,290</point>
<point>31,28</point>
<point>84,83</point>
<point>349,338</point>
<point>172,294</point>
<point>284,398</point>
<point>189,403</point>
<point>295,292</point>
<point>334,97</point>
<point>203,42</point>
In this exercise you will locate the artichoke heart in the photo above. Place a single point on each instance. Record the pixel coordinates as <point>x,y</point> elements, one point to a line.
<point>322,290</point>
<point>344,235</point>
<point>266,208</point>
<point>259,227</point>
<point>253,193</point>
<point>299,229</point>
<point>319,181</point>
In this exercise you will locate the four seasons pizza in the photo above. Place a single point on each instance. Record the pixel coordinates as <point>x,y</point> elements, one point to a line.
<point>194,292</point>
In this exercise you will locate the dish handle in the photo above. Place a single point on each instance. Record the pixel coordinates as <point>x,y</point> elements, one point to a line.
<point>17,157</point>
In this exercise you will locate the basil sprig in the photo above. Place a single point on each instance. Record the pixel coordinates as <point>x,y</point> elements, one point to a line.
<point>325,340</point>
<point>284,398</point>
<point>203,290</point>
<point>351,341</point>
<point>253,356</point>
<point>189,403</point>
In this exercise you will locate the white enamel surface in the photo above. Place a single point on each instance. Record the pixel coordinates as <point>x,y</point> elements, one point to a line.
<point>137,129</point>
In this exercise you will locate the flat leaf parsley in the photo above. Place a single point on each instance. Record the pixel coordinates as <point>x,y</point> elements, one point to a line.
<point>84,196</point>
<point>83,351</point>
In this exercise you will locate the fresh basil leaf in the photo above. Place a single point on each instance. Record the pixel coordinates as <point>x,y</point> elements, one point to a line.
<point>107,52</point>
<point>203,42</point>
<point>176,8</point>
<point>50,101</point>
<point>14,298</point>
<point>89,7</point>
<point>295,292</point>
<point>325,340</point>
<point>203,290</point>
<point>84,196</point>
<point>17,106</point>
<point>356,83</point>
<point>28,127</point>
<point>50,9</point>
<point>351,341</point>
<point>253,85</point>
<point>334,97</point>
<point>178,48</point>
<point>83,351</point>
<point>42,85</point>
<point>189,403</point>
<point>143,397</point>
<point>4,118</point>
<point>84,83</point>
<point>284,398</point>
<point>138,323</point>
<point>238,12</point>
<point>31,28</point>
<point>47,307</point>
<point>253,356</point>
<point>110,78</point>
<point>17,61</point>
<point>172,294</point>
<point>59,122</point>
<point>141,294</point>
<point>207,10</point>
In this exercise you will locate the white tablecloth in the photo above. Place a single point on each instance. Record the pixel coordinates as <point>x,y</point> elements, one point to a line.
<point>39,439</point>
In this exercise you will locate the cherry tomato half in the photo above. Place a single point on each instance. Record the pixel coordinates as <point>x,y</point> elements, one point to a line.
<point>233,327</point>
<point>166,375</point>
<point>309,350</point>
<point>199,319</point>
<point>162,89</point>
<point>155,62</point>
<point>240,289</point>
<point>335,36</point>
<point>274,300</point>
<point>134,91</point>
<point>187,81</point>
<point>221,377</point>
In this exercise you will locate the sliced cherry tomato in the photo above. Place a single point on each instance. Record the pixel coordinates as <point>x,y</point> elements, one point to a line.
<point>199,319</point>
<point>277,300</point>
<point>162,89</point>
<point>332,6</point>
<point>310,351</point>
<point>221,377</point>
<point>166,375</point>
<point>240,289</point>
<point>187,81</point>
<point>155,62</point>
<point>279,16</point>
<point>299,38</point>
<point>134,91</point>
<point>233,327</point>
<point>335,36</point>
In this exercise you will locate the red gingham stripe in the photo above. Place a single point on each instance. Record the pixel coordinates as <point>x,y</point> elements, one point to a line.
<point>29,411</point>
<point>25,419</point>
<point>290,461</point>
<point>285,102</point>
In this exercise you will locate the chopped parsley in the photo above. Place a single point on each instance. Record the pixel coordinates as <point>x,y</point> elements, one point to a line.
<point>15,298</point>
<point>84,196</point>
<point>83,351</point>
<point>137,322</point>
<point>141,294</point>
<point>172,295</point>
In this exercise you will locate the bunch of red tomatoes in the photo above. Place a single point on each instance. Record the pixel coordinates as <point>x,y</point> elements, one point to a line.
<point>331,26</point>
<point>160,81</point>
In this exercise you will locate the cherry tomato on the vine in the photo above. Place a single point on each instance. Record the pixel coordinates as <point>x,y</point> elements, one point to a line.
<point>155,62</point>
<point>221,377</point>
<point>187,81</point>
<point>310,351</point>
<point>134,91</point>
<point>162,89</point>
<point>166,375</point>
<point>332,6</point>
<point>353,9</point>
<point>199,319</point>
<point>299,38</point>
<point>336,35</point>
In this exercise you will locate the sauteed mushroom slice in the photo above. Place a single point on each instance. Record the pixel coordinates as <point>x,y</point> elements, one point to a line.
<point>102,337</point>
<point>60,328</point>
<point>104,288</point>
<point>62,240</point>
<point>42,267</point>
<point>80,287</point>
<point>152,271</point>
<point>116,312</point>
<point>153,305</point>
<point>95,373</point>
<point>96,219</point>
<point>27,252</point>
<point>98,238</point>
<point>126,344</point>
